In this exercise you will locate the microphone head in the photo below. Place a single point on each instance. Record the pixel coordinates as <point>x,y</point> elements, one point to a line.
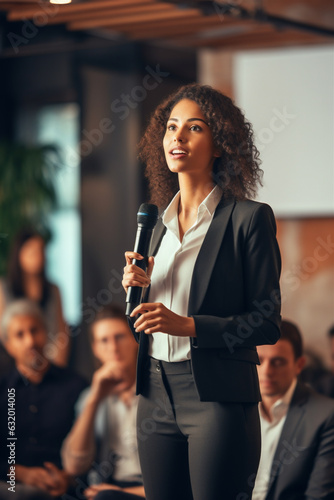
<point>147,215</point>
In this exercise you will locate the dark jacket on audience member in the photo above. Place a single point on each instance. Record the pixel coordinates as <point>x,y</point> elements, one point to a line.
<point>44,414</point>
<point>303,464</point>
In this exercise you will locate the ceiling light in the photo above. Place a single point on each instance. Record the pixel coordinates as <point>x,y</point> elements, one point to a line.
<point>60,1</point>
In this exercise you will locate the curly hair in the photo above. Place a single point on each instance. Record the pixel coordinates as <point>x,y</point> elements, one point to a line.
<point>237,170</point>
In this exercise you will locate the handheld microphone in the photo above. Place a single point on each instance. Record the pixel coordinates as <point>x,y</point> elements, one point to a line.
<point>147,217</point>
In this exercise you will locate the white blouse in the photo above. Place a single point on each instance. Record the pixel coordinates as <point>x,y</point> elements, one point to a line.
<point>173,269</point>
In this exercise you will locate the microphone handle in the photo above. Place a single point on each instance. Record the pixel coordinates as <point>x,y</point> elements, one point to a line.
<point>142,245</point>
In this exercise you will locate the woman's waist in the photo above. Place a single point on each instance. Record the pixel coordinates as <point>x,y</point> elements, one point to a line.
<point>170,367</point>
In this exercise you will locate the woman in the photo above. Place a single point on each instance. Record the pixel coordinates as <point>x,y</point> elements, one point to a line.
<point>213,296</point>
<point>26,278</point>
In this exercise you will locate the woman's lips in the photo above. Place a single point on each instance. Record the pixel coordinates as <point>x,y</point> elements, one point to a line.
<point>177,153</point>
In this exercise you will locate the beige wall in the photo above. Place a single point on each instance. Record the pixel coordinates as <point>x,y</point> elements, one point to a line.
<point>307,282</point>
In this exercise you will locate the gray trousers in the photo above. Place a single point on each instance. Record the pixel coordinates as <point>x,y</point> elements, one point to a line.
<point>190,449</point>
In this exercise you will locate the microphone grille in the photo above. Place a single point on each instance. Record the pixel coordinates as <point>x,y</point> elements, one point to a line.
<point>147,215</point>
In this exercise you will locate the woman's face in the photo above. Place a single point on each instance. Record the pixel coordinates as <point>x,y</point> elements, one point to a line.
<point>31,256</point>
<point>188,142</point>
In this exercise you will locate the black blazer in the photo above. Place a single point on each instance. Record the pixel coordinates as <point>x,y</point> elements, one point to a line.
<point>303,464</point>
<point>234,300</point>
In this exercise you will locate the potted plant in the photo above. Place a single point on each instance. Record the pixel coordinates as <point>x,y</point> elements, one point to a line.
<point>27,192</point>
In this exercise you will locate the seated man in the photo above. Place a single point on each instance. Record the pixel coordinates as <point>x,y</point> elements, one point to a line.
<point>326,383</point>
<point>40,399</point>
<point>103,438</point>
<point>297,427</point>
<point>331,339</point>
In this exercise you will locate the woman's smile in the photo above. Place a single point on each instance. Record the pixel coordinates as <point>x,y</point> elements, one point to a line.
<point>178,153</point>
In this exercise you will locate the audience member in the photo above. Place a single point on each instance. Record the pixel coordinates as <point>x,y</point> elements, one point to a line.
<point>40,398</point>
<point>26,278</point>
<point>326,383</point>
<point>297,427</point>
<point>103,437</point>
<point>331,339</point>
<point>316,375</point>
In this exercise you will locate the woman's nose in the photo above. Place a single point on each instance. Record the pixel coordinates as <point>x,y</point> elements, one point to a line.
<point>179,136</point>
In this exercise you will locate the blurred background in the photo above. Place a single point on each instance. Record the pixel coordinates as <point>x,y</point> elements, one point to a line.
<point>78,85</point>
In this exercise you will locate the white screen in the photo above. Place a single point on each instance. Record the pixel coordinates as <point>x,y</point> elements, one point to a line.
<point>296,150</point>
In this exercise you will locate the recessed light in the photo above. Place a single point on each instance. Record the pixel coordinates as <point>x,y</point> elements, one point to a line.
<point>60,1</point>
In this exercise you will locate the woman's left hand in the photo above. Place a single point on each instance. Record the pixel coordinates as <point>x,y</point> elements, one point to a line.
<point>155,317</point>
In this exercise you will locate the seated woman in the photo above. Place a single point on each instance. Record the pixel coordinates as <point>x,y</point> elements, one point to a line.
<point>26,279</point>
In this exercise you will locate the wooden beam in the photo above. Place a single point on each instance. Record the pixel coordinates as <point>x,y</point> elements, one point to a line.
<point>8,5</point>
<point>159,24</point>
<point>172,30</point>
<point>28,12</point>
<point>17,3</point>
<point>110,13</point>
<point>193,21</point>
<point>256,40</point>
<point>274,6</point>
<point>134,19</point>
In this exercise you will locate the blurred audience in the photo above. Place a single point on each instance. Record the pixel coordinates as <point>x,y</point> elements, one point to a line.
<point>315,372</point>
<point>325,385</point>
<point>331,340</point>
<point>40,398</point>
<point>103,439</point>
<point>26,278</point>
<point>297,426</point>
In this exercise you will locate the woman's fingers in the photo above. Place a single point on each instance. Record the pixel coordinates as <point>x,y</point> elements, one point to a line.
<point>150,326</point>
<point>155,317</point>
<point>144,307</point>
<point>129,256</point>
<point>134,275</point>
<point>151,317</point>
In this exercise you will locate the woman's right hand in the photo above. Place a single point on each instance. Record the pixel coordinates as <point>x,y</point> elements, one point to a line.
<point>134,275</point>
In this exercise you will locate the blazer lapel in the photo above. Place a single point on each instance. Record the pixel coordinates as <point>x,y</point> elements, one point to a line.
<point>286,446</point>
<point>158,234</point>
<point>208,254</point>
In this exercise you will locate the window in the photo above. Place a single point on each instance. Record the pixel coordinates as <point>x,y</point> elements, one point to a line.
<point>59,125</point>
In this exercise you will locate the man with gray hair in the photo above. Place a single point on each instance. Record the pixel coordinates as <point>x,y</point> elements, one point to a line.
<point>40,399</point>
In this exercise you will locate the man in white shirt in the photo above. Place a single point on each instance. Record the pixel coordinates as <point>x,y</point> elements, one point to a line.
<point>297,427</point>
<point>103,439</point>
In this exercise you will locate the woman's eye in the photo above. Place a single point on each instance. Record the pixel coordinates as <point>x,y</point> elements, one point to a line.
<point>196,128</point>
<point>171,127</point>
